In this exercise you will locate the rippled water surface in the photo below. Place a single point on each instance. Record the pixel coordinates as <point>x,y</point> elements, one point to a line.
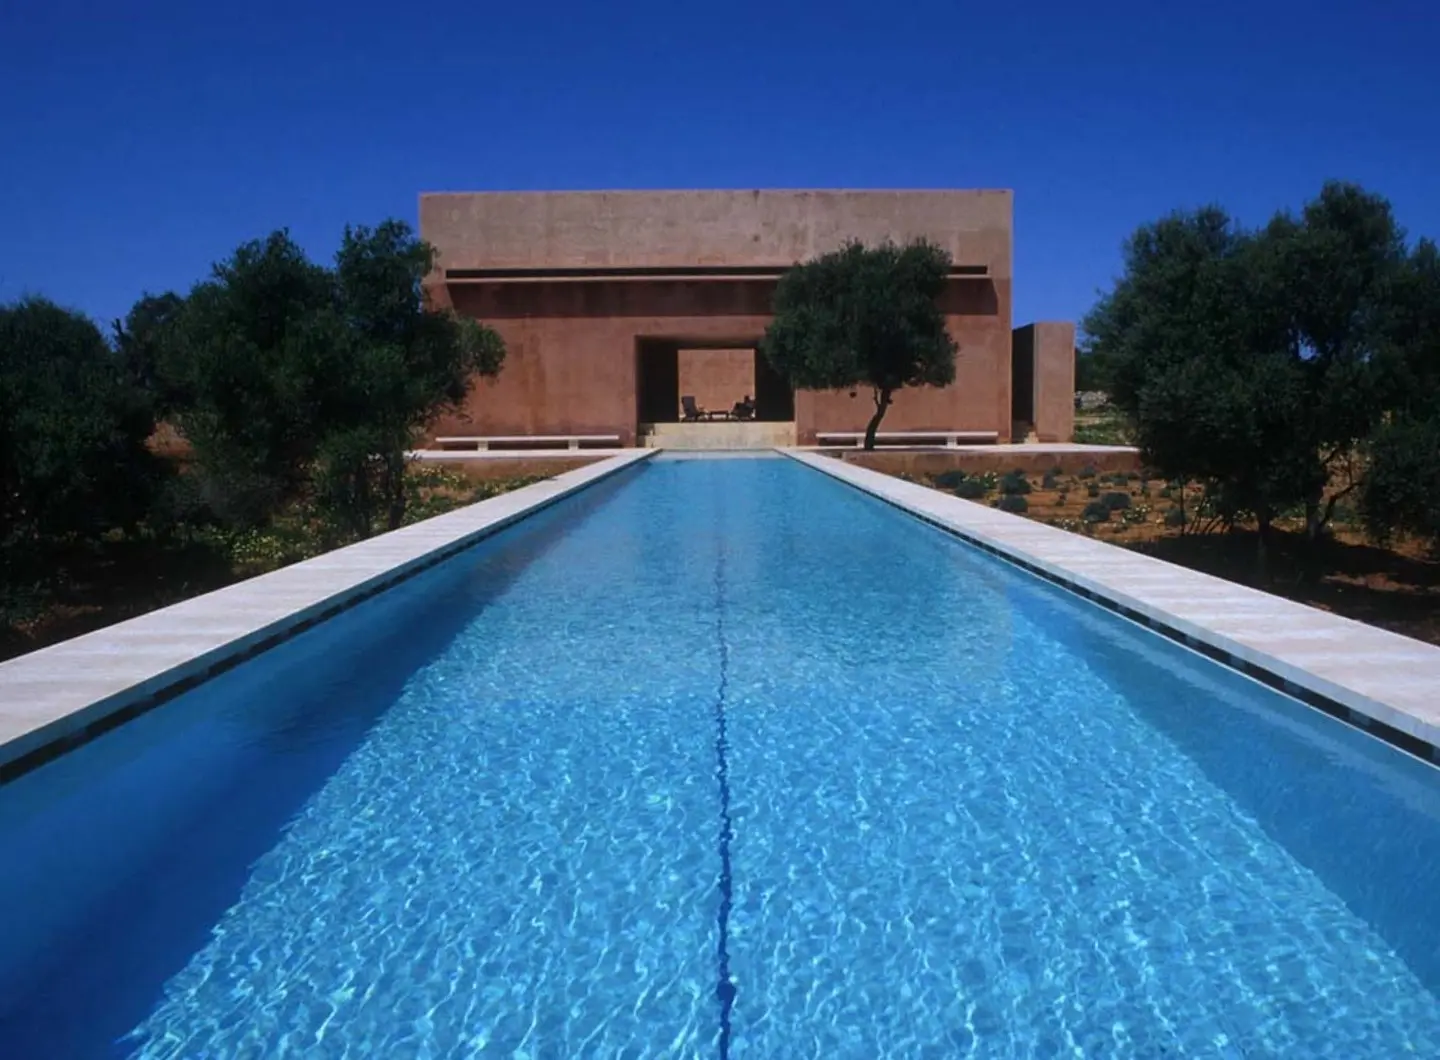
<point>720,758</point>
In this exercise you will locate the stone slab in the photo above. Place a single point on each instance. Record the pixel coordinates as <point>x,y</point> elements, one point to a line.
<point>1379,675</point>
<point>52,694</point>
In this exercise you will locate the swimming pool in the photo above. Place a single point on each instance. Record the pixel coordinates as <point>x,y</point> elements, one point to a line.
<point>722,758</point>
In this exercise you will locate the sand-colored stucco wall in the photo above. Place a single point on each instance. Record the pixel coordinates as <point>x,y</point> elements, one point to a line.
<point>611,229</point>
<point>571,360</point>
<point>1054,381</point>
<point>717,379</point>
<point>570,365</point>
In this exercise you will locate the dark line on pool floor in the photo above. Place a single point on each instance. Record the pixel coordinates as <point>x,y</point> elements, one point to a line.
<point>724,984</point>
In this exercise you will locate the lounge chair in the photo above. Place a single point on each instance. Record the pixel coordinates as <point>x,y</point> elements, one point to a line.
<point>693,413</point>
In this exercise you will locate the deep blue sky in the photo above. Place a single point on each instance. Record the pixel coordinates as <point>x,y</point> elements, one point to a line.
<point>139,148</point>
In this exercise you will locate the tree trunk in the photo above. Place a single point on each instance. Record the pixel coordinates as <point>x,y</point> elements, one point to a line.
<point>882,402</point>
<point>394,480</point>
<point>1262,539</point>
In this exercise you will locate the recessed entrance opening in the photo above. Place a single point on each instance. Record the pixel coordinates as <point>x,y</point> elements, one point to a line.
<point>717,373</point>
<point>712,377</point>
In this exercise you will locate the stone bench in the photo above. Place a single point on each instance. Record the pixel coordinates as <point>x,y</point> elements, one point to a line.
<point>528,441</point>
<point>953,439</point>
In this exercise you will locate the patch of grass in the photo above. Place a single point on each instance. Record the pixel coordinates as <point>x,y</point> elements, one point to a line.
<point>1103,427</point>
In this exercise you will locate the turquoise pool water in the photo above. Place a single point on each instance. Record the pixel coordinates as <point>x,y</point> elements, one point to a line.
<point>721,758</point>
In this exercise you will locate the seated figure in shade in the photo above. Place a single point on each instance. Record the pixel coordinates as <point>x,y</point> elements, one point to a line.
<point>744,409</point>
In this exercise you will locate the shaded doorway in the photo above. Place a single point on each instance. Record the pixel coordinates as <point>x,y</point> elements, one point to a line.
<point>657,381</point>
<point>774,397</point>
<point>717,373</point>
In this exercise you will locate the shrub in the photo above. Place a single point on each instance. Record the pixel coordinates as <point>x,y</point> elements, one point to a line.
<point>1092,490</point>
<point>1014,503</point>
<point>948,480</point>
<point>1096,512</point>
<point>971,489</point>
<point>1088,471</point>
<point>1057,471</point>
<point>1049,481</point>
<point>1014,483</point>
<point>1166,493</point>
<point>1175,517</point>
<point>1116,501</point>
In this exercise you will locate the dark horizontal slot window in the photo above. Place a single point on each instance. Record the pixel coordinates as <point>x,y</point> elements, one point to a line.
<point>642,271</point>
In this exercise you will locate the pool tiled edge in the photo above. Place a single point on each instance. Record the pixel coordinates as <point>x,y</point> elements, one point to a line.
<point>1380,681</point>
<point>58,697</point>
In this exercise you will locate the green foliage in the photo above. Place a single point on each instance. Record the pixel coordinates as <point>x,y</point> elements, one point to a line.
<point>1402,489</point>
<point>305,382</point>
<point>1014,483</point>
<point>1175,517</point>
<point>1091,372</point>
<point>1107,427</point>
<point>1096,512</point>
<point>1251,361</point>
<point>864,317</point>
<point>971,489</point>
<point>1049,481</point>
<point>73,427</point>
<point>1116,501</point>
<point>1092,490</point>
<point>948,480</point>
<point>1088,471</point>
<point>1014,503</point>
<point>141,340</point>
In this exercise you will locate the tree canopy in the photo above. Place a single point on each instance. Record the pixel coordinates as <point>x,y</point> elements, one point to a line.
<point>1261,362</point>
<point>299,379</point>
<point>863,316</point>
<point>73,428</point>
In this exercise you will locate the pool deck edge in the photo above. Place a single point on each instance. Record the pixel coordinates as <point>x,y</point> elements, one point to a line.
<point>58,696</point>
<point>1382,679</point>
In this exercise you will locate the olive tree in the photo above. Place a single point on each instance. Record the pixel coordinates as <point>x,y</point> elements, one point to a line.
<point>864,317</point>
<point>306,382</point>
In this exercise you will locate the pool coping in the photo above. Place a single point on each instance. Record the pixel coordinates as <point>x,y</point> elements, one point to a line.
<point>1382,682</point>
<point>61,696</point>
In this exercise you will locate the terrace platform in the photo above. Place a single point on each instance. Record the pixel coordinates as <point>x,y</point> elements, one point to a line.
<point>1031,457</point>
<point>719,434</point>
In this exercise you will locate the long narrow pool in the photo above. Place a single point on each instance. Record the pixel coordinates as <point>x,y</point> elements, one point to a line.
<point>720,758</point>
